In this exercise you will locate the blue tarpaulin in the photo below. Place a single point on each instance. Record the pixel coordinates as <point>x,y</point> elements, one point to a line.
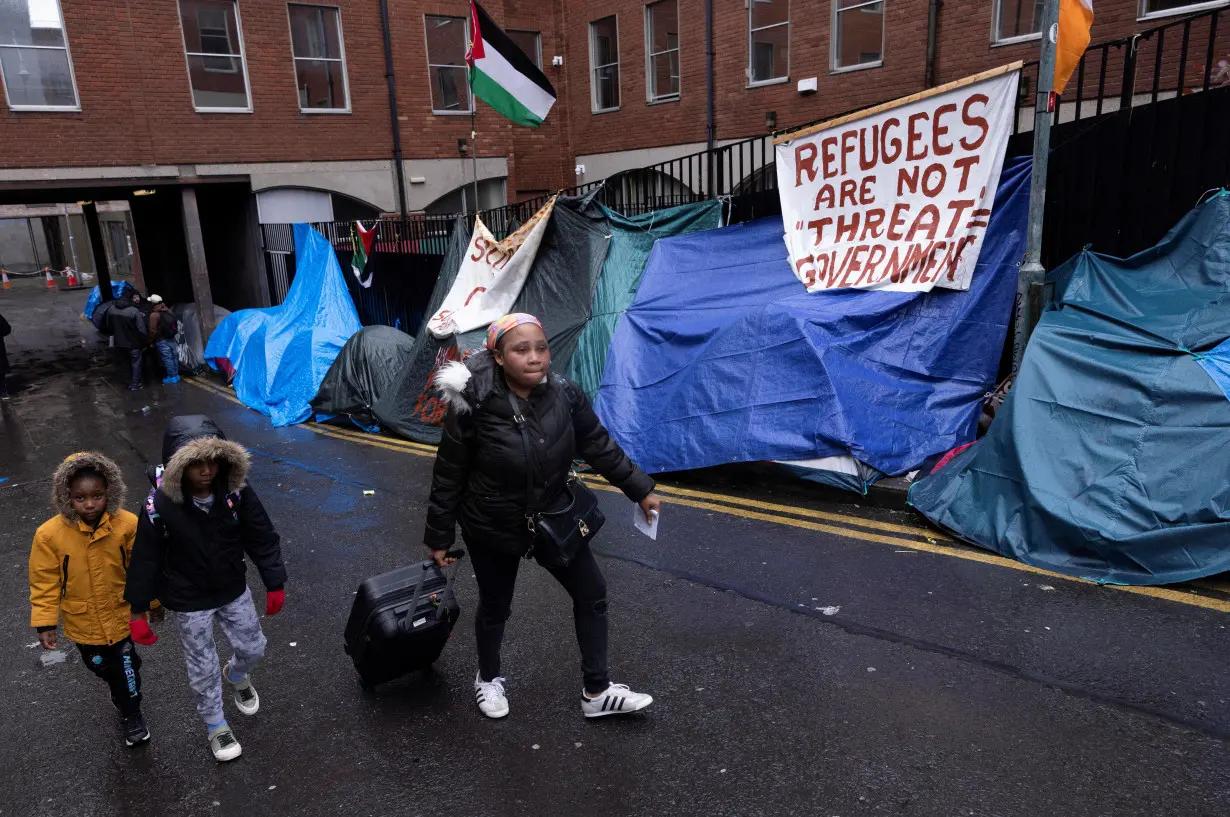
<point>281,354</point>
<point>724,357</point>
<point>1108,461</point>
<point>118,290</point>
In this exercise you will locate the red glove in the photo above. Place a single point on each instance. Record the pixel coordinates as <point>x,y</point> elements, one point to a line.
<point>141,633</point>
<point>274,600</point>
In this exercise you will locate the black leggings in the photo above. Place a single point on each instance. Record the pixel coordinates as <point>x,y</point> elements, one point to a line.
<point>497,578</point>
<point>120,666</point>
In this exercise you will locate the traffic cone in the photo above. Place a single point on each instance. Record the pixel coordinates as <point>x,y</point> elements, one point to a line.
<point>50,283</point>
<point>5,275</point>
<point>72,278</point>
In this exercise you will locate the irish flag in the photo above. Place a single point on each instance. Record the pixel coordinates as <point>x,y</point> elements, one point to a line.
<point>503,76</point>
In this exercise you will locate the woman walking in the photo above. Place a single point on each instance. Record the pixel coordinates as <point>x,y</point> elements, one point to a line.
<point>511,434</point>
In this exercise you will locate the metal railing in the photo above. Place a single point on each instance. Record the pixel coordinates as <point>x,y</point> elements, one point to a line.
<point>1169,60</point>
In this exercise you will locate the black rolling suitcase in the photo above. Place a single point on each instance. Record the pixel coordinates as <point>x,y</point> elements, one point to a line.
<point>400,622</point>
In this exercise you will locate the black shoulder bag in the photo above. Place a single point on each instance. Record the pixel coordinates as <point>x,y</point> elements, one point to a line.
<point>557,534</point>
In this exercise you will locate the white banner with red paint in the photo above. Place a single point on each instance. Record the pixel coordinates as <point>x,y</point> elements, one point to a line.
<point>900,198</point>
<point>491,276</point>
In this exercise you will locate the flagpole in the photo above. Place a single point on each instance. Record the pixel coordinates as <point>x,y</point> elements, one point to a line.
<point>1028,306</point>
<point>474,148</point>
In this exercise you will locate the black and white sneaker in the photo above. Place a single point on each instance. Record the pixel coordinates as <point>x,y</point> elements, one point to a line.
<point>133,729</point>
<point>223,744</point>
<point>246,699</point>
<point>490,696</point>
<point>617,700</point>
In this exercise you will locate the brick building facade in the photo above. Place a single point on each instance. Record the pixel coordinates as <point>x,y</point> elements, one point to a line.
<point>280,111</point>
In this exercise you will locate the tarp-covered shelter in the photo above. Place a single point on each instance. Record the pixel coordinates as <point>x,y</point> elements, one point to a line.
<point>188,335</point>
<point>1108,461</point>
<point>369,363</point>
<point>119,289</point>
<point>724,357</point>
<point>562,289</point>
<point>281,354</point>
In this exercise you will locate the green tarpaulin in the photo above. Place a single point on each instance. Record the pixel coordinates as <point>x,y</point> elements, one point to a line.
<point>632,237</point>
<point>1108,461</point>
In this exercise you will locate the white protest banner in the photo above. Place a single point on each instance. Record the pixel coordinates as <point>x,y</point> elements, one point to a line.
<point>898,197</point>
<point>491,276</point>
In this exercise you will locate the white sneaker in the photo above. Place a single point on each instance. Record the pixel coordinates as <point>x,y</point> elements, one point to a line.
<point>223,744</point>
<point>490,697</point>
<point>246,699</point>
<point>617,700</point>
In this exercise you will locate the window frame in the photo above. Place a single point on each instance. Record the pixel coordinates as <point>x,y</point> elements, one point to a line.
<point>537,55</point>
<point>996,13</point>
<point>72,74</point>
<point>1144,14</point>
<point>243,60</point>
<point>341,47</point>
<point>593,69</point>
<point>835,45</point>
<point>651,96</point>
<point>427,48</point>
<point>751,55</point>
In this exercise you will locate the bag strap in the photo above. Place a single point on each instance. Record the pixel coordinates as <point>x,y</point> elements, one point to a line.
<point>519,419</point>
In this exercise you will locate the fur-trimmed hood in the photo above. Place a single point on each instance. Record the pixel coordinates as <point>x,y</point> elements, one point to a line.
<point>61,496</point>
<point>466,385</point>
<point>236,461</point>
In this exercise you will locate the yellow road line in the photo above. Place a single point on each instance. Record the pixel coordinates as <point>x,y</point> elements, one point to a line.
<point>681,496</point>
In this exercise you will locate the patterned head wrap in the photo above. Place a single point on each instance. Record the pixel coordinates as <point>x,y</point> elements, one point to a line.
<point>501,327</point>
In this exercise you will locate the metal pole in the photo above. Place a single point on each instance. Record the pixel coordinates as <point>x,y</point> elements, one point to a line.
<point>398,170</point>
<point>1030,281</point>
<point>474,152</point>
<point>72,244</point>
<point>34,244</point>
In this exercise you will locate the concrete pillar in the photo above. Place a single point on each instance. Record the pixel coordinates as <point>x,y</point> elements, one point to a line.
<point>89,211</point>
<point>198,270</point>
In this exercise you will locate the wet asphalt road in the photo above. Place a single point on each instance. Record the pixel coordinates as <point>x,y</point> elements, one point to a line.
<point>940,687</point>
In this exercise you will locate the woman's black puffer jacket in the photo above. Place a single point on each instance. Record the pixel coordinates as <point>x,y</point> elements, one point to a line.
<point>479,478</point>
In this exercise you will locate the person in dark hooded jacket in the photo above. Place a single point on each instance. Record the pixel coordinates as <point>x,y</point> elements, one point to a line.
<point>130,328</point>
<point>198,523</point>
<point>5,329</point>
<point>479,482</point>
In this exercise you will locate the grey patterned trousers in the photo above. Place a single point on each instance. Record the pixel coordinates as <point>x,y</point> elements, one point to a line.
<point>242,628</point>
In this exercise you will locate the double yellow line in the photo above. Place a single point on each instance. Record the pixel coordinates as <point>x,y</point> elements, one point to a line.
<point>908,538</point>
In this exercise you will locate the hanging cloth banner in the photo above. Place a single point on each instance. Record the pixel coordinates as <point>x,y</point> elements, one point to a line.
<point>491,276</point>
<point>897,197</point>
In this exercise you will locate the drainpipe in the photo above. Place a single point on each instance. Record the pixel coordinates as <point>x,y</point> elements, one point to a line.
<point>393,120</point>
<point>933,21</point>
<point>711,127</point>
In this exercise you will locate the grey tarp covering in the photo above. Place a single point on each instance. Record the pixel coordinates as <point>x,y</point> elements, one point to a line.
<point>559,290</point>
<point>365,368</point>
<point>188,336</point>
<point>1110,459</point>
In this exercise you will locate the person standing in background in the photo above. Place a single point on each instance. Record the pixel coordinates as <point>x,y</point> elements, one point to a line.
<point>128,326</point>
<point>5,330</point>
<point>162,330</point>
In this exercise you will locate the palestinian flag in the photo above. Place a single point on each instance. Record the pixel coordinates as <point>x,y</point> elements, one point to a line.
<point>503,76</point>
<point>361,242</point>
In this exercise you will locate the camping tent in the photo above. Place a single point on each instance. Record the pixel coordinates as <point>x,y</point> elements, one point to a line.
<point>369,363</point>
<point>188,335</point>
<point>724,357</point>
<point>281,354</point>
<point>1108,459</point>
<point>563,290</point>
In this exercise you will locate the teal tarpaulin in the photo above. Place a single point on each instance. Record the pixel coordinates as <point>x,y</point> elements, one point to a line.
<point>632,237</point>
<point>1108,461</point>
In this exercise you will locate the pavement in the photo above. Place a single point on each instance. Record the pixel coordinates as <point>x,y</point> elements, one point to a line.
<point>807,656</point>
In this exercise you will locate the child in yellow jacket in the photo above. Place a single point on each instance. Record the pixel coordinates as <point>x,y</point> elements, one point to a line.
<point>78,567</point>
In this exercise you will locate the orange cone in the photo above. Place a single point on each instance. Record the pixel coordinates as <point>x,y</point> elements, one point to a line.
<point>50,283</point>
<point>5,275</point>
<point>72,278</point>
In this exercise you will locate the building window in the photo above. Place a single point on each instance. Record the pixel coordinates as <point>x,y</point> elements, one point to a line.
<point>1169,8</point>
<point>34,60</point>
<point>1017,20</point>
<point>858,34</point>
<point>604,64</point>
<point>213,42</point>
<point>768,41</point>
<point>446,63</point>
<point>320,57</point>
<point>530,43</point>
<point>662,50</point>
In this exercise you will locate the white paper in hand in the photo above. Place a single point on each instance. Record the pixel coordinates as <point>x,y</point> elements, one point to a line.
<point>650,529</point>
